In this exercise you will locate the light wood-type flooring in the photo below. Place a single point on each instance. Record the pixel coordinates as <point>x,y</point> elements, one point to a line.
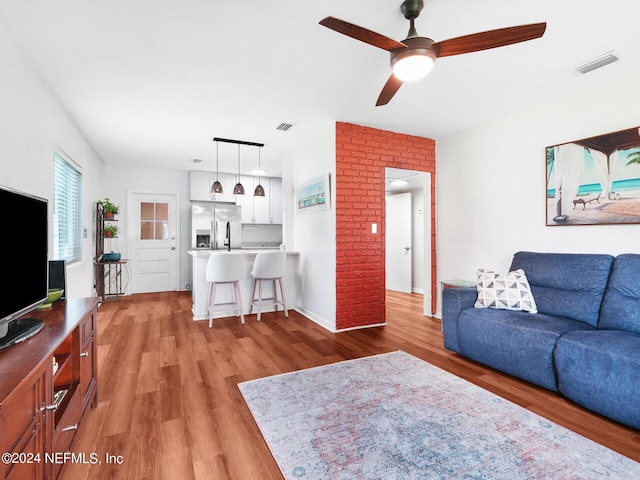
<point>169,406</point>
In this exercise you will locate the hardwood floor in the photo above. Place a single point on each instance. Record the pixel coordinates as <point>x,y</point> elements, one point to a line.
<point>169,406</point>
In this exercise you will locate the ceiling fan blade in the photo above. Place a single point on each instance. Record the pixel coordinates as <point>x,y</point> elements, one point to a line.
<point>362,34</point>
<point>389,90</point>
<point>491,39</point>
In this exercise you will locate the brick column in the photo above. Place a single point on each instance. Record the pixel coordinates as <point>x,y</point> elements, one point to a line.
<point>362,153</point>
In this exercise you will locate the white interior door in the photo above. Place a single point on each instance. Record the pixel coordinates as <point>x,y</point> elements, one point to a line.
<point>153,227</point>
<point>398,242</point>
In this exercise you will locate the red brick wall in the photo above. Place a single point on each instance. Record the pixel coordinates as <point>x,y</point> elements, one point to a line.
<point>362,153</point>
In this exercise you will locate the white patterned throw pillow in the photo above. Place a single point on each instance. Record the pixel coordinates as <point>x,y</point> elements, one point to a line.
<point>509,291</point>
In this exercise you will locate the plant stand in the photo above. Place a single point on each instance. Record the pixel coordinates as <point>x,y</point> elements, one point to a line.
<point>109,276</point>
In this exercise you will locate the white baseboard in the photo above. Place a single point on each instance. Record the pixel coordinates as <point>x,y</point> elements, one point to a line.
<point>361,327</point>
<point>324,323</point>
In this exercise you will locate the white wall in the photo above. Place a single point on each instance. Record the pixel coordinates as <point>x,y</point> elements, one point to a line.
<point>120,179</point>
<point>491,195</point>
<point>314,234</point>
<point>32,126</point>
<point>417,241</point>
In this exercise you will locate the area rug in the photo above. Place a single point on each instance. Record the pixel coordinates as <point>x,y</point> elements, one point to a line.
<point>394,416</point>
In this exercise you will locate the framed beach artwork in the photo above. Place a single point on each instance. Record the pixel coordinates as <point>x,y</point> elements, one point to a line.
<point>595,180</point>
<point>314,195</point>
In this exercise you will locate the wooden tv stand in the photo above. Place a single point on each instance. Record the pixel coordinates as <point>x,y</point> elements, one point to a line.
<point>37,421</point>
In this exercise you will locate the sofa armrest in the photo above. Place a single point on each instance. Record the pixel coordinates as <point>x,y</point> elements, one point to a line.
<point>454,301</point>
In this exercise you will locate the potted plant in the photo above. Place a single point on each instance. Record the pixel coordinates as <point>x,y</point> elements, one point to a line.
<point>110,231</point>
<point>109,209</point>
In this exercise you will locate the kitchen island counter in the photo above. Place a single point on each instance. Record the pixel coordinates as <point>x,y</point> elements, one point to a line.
<point>200,288</point>
<point>205,252</point>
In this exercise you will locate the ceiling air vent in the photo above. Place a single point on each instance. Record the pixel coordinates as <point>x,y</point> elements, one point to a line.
<point>596,63</point>
<point>284,126</point>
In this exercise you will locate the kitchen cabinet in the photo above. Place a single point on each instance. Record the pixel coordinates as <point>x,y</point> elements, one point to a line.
<point>46,384</point>
<point>275,200</point>
<point>261,204</point>
<point>246,201</point>
<point>200,186</point>
<point>259,210</point>
<point>25,427</point>
<point>254,209</point>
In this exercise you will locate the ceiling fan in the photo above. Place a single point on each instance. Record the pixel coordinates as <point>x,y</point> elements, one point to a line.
<point>413,57</point>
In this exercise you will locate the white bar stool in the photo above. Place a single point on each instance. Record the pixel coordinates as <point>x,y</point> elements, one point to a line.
<point>225,268</point>
<point>269,266</point>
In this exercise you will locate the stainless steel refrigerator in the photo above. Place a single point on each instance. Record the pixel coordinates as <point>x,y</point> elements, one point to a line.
<point>215,226</point>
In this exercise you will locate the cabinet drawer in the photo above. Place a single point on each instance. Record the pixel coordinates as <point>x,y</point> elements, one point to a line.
<point>68,425</point>
<point>87,374</point>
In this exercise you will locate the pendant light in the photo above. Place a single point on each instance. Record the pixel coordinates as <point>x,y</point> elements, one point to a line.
<point>259,191</point>
<point>238,189</point>
<point>217,186</point>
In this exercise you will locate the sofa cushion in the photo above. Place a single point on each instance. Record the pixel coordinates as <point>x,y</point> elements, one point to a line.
<point>508,291</point>
<point>567,285</point>
<point>517,343</point>
<point>600,370</point>
<point>621,303</point>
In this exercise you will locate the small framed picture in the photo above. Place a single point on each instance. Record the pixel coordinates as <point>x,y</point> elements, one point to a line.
<point>314,195</point>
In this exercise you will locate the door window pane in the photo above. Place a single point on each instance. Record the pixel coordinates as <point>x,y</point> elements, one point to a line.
<point>147,211</point>
<point>154,221</point>
<point>161,231</point>
<point>162,211</point>
<point>146,230</point>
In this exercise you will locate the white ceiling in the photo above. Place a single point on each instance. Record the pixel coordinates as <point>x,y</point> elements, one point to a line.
<point>152,82</point>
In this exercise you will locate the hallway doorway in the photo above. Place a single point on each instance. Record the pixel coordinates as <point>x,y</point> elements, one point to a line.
<point>416,184</point>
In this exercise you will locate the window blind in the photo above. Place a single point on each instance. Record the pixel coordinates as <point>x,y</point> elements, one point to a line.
<point>67,184</point>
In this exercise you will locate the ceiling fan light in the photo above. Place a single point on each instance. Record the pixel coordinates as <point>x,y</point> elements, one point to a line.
<point>412,67</point>
<point>258,171</point>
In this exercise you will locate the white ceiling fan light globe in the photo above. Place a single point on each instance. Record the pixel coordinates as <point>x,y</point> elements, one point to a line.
<point>412,67</point>
<point>415,61</point>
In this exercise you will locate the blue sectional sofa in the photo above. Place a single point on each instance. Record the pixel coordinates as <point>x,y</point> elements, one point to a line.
<point>584,342</point>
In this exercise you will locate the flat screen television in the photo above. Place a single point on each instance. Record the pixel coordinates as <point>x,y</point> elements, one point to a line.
<point>24,238</point>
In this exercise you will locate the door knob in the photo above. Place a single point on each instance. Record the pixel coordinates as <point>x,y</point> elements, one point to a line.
<point>173,248</point>
<point>406,250</point>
